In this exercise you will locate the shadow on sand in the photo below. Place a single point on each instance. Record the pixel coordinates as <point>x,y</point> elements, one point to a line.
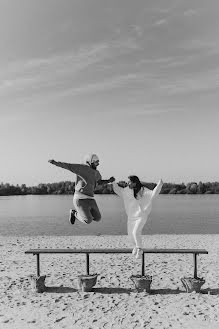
<point>112,290</point>
<point>104,290</point>
<point>117,290</point>
<point>210,291</point>
<point>60,289</point>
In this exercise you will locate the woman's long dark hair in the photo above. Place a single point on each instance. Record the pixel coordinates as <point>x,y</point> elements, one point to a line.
<point>136,189</point>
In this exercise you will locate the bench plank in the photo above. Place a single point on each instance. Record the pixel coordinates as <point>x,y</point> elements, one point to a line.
<point>115,251</point>
<point>87,252</point>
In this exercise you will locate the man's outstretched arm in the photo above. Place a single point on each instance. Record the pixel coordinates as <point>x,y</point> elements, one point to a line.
<point>75,168</point>
<point>106,181</point>
<point>117,189</point>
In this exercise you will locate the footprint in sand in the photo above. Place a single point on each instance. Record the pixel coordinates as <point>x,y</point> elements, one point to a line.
<point>58,320</point>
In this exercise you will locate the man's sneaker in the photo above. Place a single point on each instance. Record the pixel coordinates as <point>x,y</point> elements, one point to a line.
<point>134,251</point>
<point>72,216</point>
<point>139,253</point>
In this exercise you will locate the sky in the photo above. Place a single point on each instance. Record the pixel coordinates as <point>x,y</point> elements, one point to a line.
<point>136,82</point>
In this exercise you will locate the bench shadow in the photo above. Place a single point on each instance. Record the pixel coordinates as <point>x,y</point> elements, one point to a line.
<point>178,291</point>
<point>109,290</point>
<point>210,291</point>
<point>102,290</point>
<point>166,291</point>
<point>112,290</point>
<point>60,289</point>
<point>118,290</point>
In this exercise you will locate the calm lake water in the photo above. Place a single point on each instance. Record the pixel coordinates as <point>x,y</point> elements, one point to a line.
<point>48,215</point>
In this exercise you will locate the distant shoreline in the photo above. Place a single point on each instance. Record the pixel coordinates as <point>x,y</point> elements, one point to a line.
<point>23,194</point>
<point>68,187</point>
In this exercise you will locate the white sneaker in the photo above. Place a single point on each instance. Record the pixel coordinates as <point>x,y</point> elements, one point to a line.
<point>139,253</point>
<point>134,251</point>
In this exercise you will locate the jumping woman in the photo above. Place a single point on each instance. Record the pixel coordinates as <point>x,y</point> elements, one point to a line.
<point>138,204</point>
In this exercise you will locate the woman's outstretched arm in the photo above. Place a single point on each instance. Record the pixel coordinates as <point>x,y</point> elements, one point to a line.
<point>157,189</point>
<point>117,189</point>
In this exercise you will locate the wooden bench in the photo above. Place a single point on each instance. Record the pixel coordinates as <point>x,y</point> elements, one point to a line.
<point>87,252</point>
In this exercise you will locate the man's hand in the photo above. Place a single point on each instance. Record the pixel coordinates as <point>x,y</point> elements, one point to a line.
<point>112,179</point>
<point>122,184</point>
<point>51,161</point>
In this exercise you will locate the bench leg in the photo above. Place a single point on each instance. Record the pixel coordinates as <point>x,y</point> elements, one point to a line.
<point>195,265</point>
<point>87,264</point>
<point>37,283</point>
<point>38,265</point>
<point>142,265</point>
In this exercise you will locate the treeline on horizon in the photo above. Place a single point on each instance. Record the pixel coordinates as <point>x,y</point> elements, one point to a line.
<point>68,187</point>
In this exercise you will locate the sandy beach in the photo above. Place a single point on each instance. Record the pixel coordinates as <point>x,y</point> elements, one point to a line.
<point>113,302</point>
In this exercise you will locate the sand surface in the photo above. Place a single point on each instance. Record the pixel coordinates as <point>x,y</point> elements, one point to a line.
<point>114,302</point>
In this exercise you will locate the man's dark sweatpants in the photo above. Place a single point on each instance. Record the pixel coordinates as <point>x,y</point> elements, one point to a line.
<point>87,210</point>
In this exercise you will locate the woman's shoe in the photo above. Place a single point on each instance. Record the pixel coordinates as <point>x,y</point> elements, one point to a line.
<point>134,251</point>
<point>139,253</point>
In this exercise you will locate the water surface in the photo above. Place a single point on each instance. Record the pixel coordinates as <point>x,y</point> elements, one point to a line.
<point>48,215</point>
